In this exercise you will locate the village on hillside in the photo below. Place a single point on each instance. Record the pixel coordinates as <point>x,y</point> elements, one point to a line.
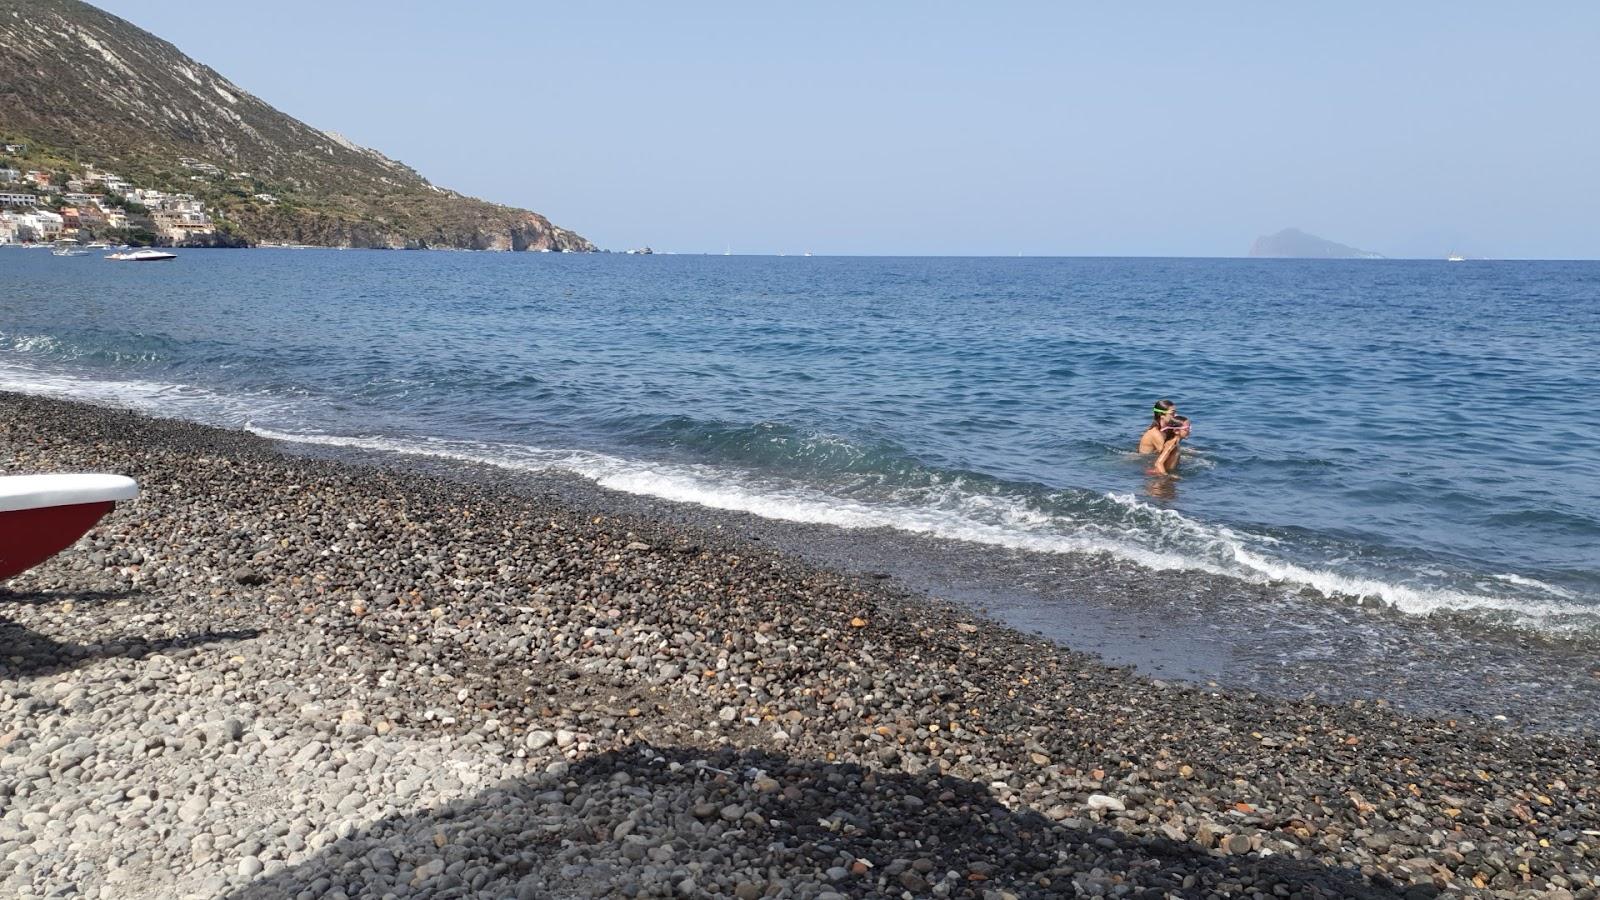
<point>46,204</point>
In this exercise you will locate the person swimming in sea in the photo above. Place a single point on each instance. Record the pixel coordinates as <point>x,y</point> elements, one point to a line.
<point>1153,440</point>
<point>1173,432</point>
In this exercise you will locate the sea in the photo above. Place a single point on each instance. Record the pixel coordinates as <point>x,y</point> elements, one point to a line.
<point>1391,492</point>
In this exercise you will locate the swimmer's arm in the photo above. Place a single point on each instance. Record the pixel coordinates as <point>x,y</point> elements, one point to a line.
<point>1167,457</point>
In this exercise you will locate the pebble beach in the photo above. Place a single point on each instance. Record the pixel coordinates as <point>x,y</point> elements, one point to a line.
<point>279,676</point>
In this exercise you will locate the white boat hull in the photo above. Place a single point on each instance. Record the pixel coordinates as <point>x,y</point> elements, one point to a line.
<point>142,256</point>
<point>41,515</point>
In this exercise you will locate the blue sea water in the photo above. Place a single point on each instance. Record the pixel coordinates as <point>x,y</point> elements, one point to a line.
<point>1418,432</point>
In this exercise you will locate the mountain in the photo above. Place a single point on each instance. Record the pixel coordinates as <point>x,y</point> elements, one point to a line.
<point>1292,243</point>
<point>81,85</point>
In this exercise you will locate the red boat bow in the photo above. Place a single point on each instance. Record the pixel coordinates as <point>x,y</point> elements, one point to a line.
<point>41,515</point>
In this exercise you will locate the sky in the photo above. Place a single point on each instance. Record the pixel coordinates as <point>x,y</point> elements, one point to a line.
<point>1039,128</point>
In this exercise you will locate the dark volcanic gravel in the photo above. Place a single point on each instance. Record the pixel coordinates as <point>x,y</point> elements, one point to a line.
<point>273,676</point>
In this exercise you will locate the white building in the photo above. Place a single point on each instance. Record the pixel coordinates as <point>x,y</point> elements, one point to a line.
<point>189,162</point>
<point>181,226</point>
<point>178,203</point>
<point>19,199</point>
<point>45,224</point>
<point>108,180</point>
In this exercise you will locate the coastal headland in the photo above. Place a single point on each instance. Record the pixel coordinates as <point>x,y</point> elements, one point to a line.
<point>275,676</point>
<point>109,133</point>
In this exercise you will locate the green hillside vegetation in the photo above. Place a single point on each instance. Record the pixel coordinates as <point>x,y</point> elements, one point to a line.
<point>87,88</point>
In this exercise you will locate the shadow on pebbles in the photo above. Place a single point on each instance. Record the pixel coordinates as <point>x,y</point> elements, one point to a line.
<point>658,822</point>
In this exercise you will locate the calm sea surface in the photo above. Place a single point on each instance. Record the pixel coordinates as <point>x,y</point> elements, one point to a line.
<point>1423,433</point>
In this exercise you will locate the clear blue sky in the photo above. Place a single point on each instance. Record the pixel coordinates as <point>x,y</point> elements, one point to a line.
<point>949,128</point>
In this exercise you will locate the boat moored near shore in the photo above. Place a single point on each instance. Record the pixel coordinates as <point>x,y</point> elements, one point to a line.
<point>145,255</point>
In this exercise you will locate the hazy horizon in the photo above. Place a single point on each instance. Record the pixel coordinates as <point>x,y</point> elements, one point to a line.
<point>947,130</point>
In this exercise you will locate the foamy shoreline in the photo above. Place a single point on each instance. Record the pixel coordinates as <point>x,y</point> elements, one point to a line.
<point>274,674</point>
<point>1154,536</point>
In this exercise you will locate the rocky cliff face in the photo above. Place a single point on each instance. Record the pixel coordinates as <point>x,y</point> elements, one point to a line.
<point>107,93</point>
<point>503,229</point>
<point>517,231</point>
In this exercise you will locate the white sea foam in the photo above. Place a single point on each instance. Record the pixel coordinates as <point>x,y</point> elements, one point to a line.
<point>980,519</point>
<point>35,343</point>
<point>984,519</point>
<point>1415,600</point>
<point>1257,566</point>
<point>51,346</point>
<point>1138,532</point>
<point>161,398</point>
<point>1536,584</point>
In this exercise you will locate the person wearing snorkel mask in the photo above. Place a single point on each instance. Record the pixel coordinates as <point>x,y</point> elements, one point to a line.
<point>1176,429</point>
<point>1153,440</point>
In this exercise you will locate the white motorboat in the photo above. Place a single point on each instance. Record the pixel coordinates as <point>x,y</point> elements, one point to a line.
<point>145,255</point>
<point>68,248</point>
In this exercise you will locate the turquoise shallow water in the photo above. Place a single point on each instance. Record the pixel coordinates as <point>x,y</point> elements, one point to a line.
<point>1414,431</point>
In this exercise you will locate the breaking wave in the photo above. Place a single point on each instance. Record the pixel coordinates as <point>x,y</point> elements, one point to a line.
<point>828,480</point>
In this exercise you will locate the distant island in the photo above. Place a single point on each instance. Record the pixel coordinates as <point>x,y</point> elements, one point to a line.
<point>108,132</point>
<point>1292,243</point>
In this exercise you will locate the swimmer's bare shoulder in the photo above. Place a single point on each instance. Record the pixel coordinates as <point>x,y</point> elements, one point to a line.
<point>1151,441</point>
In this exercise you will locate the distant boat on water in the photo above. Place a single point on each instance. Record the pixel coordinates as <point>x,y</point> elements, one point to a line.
<point>1455,257</point>
<point>145,255</point>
